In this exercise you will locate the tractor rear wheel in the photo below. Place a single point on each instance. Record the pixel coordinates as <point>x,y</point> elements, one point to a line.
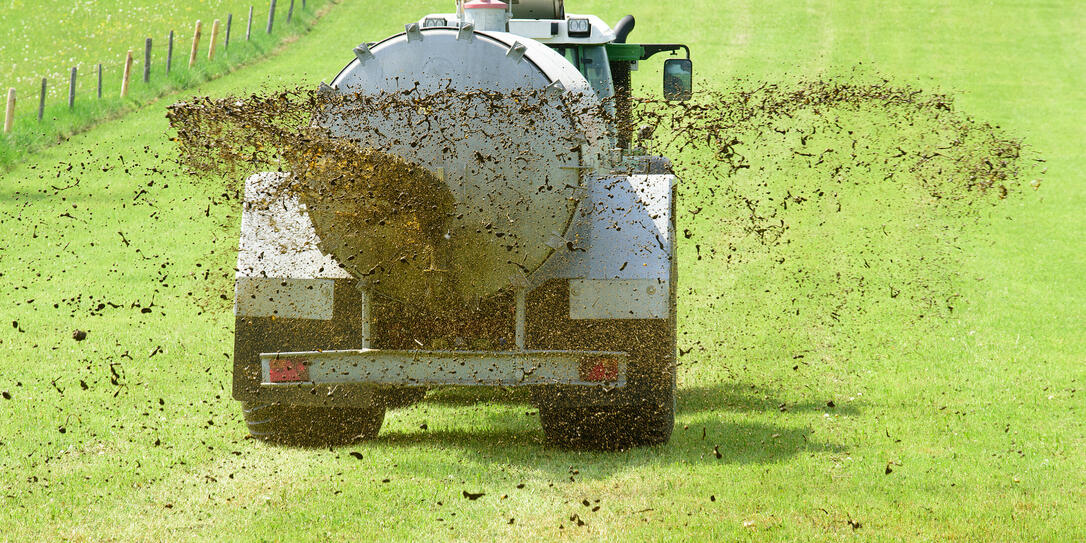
<point>312,426</point>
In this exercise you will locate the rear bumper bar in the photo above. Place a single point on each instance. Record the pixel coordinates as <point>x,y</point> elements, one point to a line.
<point>429,368</point>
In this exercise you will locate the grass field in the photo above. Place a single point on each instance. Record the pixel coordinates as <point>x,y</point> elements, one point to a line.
<point>967,426</point>
<point>46,39</point>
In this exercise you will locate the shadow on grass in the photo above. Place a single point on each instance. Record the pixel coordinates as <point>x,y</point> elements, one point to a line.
<point>735,397</point>
<point>468,396</point>
<point>748,399</point>
<point>712,431</point>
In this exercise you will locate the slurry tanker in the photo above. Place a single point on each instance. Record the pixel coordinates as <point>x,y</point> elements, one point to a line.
<point>551,266</point>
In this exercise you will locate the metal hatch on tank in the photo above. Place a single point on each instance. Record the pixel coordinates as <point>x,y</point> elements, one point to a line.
<point>548,257</point>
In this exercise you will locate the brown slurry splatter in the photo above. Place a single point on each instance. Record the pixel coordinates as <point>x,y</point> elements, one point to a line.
<point>724,144</point>
<point>380,215</point>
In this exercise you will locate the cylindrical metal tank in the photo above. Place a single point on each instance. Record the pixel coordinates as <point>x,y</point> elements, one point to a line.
<point>510,126</point>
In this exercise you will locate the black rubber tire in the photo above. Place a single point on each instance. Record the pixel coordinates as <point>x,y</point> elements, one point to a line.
<point>640,414</point>
<point>311,426</point>
<point>609,428</point>
<point>398,397</point>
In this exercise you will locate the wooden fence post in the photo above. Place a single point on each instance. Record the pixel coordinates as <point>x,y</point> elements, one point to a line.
<point>290,12</point>
<point>271,16</point>
<point>229,23</point>
<point>41,101</point>
<point>249,27</point>
<point>9,112</point>
<point>147,61</point>
<point>127,74</point>
<point>211,41</point>
<point>169,54</point>
<point>99,80</point>
<point>71,89</point>
<point>195,44</point>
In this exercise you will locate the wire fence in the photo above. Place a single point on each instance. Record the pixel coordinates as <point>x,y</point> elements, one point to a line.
<point>217,39</point>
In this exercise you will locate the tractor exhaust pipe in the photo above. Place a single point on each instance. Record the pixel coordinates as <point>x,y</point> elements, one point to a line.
<point>620,72</point>
<point>623,28</point>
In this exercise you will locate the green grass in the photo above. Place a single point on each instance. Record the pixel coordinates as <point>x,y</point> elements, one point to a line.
<point>48,38</point>
<point>980,413</point>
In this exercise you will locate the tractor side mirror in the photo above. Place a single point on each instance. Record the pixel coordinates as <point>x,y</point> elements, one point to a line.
<point>678,79</point>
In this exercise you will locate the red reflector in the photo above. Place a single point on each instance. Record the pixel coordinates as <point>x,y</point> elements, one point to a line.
<point>288,370</point>
<point>599,369</point>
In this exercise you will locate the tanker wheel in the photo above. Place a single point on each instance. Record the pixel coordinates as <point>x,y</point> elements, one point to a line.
<point>641,414</point>
<point>610,428</point>
<point>311,426</point>
<point>395,398</point>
